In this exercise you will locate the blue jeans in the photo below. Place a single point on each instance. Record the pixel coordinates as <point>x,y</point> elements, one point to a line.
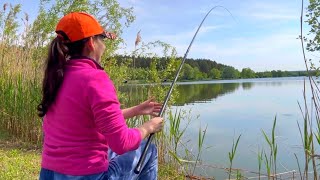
<point>120,167</point>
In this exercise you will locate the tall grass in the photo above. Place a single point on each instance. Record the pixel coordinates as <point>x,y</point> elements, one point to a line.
<point>310,113</point>
<point>260,159</point>
<point>271,159</point>
<point>21,59</point>
<point>232,154</point>
<point>19,80</point>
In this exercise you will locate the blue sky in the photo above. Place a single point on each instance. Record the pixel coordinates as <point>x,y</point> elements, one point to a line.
<point>261,35</point>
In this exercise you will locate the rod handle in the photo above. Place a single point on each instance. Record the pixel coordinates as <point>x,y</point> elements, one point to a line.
<point>138,168</point>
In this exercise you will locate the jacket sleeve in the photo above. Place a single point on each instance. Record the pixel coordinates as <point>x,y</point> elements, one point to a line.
<point>108,116</point>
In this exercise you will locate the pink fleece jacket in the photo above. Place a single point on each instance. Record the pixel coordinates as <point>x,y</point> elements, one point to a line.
<point>84,121</point>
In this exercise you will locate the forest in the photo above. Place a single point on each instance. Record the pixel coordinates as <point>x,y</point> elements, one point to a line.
<point>198,69</point>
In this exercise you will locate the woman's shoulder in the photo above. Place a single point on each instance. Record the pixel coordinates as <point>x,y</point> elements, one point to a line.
<point>97,74</point>
<point>99,78</point>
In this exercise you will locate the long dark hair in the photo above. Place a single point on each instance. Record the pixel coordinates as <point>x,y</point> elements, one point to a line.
<point>59,51</point>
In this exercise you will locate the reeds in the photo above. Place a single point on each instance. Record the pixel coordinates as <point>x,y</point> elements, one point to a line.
<point>20,91</point>
<point>19,77</point>
<point>310,113</point>
<point>232,155</point>
<point>21,73</point>
<point>271,159</point>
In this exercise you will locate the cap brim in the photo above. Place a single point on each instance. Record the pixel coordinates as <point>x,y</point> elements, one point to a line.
<point>109,35</point>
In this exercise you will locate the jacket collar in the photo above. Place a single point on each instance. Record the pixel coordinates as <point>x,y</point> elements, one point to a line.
<point>95,63</point>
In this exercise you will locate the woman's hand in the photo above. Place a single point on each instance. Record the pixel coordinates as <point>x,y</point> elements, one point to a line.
<point>154,125</point>
<point>149,107</point>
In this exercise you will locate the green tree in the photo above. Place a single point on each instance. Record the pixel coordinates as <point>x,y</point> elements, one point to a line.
<point>187,72</point>
<point>215,73</point>
<point>198,75</point>
<point>230,73</point>
<point>285,74</point>
<point>313,15</point>
<point>265,74</point>
<point>274,73</point>
<point>204,66</point>
<point>259,74</point>
<point>109,13</point>
<point>247,73</point>
<point>313,38</point>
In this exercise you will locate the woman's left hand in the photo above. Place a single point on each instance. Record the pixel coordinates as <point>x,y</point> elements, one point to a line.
<point>149,107</point>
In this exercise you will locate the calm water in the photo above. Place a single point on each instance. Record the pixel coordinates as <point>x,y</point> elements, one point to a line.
<point>234,107</point>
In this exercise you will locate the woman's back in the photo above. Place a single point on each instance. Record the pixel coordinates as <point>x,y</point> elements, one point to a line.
<point>69,125</point>
<point>82,114</point>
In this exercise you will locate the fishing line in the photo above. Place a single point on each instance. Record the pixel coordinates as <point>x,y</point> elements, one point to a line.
<point>137,169</point>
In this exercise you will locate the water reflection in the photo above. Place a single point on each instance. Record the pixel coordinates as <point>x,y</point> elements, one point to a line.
<point>247,85</point>
<point>188,93</point>
<point>198,93</point>
<point>230,108</point>
<point>203,91</point>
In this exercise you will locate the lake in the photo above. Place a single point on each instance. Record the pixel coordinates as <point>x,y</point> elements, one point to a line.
<point>233,107</point>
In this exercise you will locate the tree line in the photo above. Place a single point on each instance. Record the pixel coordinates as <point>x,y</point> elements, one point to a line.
<point>199,69</point>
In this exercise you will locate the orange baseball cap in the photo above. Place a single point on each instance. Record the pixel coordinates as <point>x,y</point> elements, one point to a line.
<point>79,25</point>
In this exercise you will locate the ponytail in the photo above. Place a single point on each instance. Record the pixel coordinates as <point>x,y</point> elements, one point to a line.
<point>53,75</point>
<point>59,50</point>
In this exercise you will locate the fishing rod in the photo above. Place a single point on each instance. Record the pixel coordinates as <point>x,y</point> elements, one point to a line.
<point>137,170</point>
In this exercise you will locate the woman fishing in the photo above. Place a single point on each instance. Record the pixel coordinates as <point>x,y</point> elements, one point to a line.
<point>85,132</point>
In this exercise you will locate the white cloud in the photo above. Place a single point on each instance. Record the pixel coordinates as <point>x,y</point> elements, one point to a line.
<point>277,51</point>
<point>272,52</point>
<point>250,42</point>
<point>266,52</point>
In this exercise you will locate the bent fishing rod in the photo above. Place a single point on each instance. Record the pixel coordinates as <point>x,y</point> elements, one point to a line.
<point>137,170</point>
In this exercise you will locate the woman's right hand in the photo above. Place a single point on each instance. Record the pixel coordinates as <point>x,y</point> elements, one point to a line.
<point>154,125</point>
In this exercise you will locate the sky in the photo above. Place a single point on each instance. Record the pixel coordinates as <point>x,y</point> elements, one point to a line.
<point>260,34</point>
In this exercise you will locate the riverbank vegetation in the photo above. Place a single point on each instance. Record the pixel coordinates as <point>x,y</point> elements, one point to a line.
<point>201,69</point>
<point>23,47</point>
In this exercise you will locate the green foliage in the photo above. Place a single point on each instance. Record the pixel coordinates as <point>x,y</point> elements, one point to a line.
<point>230,73</point>
<point>260,159</point>
<point>10,25</point>
<point>18,165</point>
<point>277,73</point>
<point>197,74</point>
<point>187,92</point>
<point>21,86</point>
<point>271,162</point>
<point>188,72</point>
<point>215,73</point>
<point>313,15</point>
<point>18,160</point>
<point>313,45</point>
<point>201,137</point>
<point>232,154</point>
<point>169,172</point>
<point>193,69</point>
<point>108,12</point>
<point>247,73</point>
<point>176,133</point>
<point>266,74</point>
<point>239,176</point>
